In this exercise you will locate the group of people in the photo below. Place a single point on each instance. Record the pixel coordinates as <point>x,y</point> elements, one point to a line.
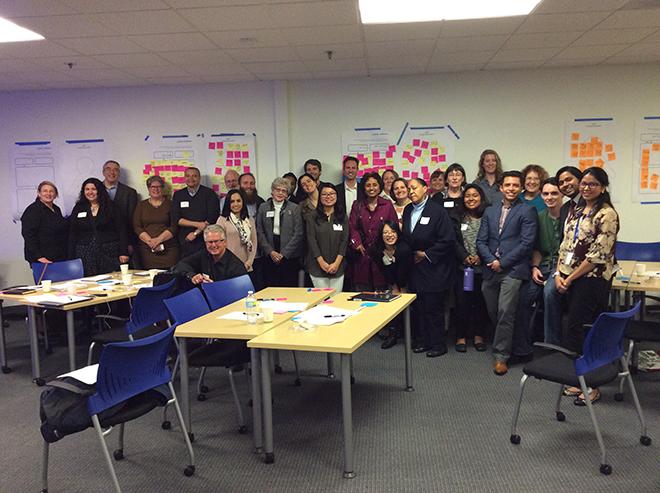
<point>510,233</point>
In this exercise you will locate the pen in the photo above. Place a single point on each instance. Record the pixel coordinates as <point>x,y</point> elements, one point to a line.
<point>334,316</point>
<point>265,299</point>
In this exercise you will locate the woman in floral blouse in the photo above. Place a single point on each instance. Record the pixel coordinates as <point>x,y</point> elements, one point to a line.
<point>586,261</point>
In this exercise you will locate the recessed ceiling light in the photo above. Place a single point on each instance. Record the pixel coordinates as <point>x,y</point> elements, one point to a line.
<point>397,11</point>
<point>10,32</point>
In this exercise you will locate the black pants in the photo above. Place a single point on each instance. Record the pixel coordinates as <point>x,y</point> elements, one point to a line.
<point>284,274</point>
<point>587,298</point>
<point>257,274</point>
<point>472,317</point>
<point>429,311</point>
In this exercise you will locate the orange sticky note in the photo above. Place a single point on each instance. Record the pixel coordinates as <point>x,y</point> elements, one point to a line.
<point>611,156</point>
<point>644,174</point>
<point>574,150</point>
<point>594,140</point>
<point>644,184</point>
<point>583,150</point>
<point>609,148</point>
<point>656,147</point>
<point>575,136</point>
<point>598,149</point>
<point>586,163</point>
<point>645,161</point>
<point>599,162</point>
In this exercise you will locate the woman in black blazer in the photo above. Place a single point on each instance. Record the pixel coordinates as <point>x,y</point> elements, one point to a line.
<point>98,234</point>
<point>429,232</point>
<point>43,227</point>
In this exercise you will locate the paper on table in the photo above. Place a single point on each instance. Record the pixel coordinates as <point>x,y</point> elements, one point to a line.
<point>101,277</point>
<point>284,307</point>
<point>85,375</point>
<point>325,315</point>
<point>56,299</point>
<point>236,316</point>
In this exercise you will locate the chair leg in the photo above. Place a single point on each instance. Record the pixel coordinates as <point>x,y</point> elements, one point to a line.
<point>44,469</point>
<point>328,357</point>
<point>605,468</point>
<point>165,423</point>
<point>201,389</point>
<point>241,422</point>
<point>644,438</point>
<point>45,329</point>
<point>106,453</point>
<point>90,352</point>
<point>558,414</point>
<point>190,469</point>
<point>119,453</point>
<point>276,362</point>
<point>297,381</point>
<point>624,369</point>
<point>515,438</point>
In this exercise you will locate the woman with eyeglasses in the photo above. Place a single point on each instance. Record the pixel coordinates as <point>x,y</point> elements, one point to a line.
<point>533,176</point>
<point>586,263</point>
<point>327,239</point>
<point>155,228</point>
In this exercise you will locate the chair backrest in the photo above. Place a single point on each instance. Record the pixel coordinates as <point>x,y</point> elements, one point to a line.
<point>222,293</point>
<point>604,342</point>
<point>58,271</point>
<point>642,252</point>
<point>127,369</point>
<point>187,306</point>
<point>148,307</point>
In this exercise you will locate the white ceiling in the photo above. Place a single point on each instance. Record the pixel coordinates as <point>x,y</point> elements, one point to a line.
<point>145,42</point>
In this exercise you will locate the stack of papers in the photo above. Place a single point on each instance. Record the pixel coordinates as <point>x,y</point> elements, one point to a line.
<point>325,315</point>
<point>101,277</point>
<point>238,316</point>
<point>85,375</point>
<point>56,299</point>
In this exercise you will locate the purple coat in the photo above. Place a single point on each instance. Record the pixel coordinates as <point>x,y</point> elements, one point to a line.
<point>364,226</point>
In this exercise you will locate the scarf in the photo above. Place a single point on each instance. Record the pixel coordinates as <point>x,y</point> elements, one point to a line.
<point>243,228</point>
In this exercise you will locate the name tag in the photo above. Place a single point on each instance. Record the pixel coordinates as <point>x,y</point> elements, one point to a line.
<point>337,227</point>
<point>449,205</point>
<point>270,213</point>
<point>82,214</point>
<point>569,258</point>
<point>424,220</point>
<point>185,204</point>
<point>464,227</point>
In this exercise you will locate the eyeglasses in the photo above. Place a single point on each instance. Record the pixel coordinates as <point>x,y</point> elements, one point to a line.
<point>280,190</point>
<point>213,242</point>
<point>590,185</point>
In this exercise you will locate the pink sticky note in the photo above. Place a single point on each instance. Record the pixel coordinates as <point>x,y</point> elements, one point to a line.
<point>379,162</point>
<point>425,170</point>
<point>219,145</point>
<point>167,168</point>
<point>405,173</point>
<point>360,155</point>
<point>389,154</point>
<point>391,168</point>
<point>230,154</point>
<point>145,172</point>
<point>360,172</point>
<point>413,174</point>
<point>178,179</point>
<point>376,154</point>
<point>425,144</point>
<point>411,159</point>
<point>327,302</point>
<point>434,151</point>
<point>416,142</point>
<point>211,145</point>
<point>442,158</point>
<point>418,152</point>
<point>364,160</point>
<point>406,154</point>
<point>245,154</point>
<point>218,171</point>
<point>434,159</point>
<point>392,148</point>
<point>246,169</point>
<point>281,299</point>
<point>228,162</point>
<point>327,289</point>
<point>147,167</point>
<point>216,188</point>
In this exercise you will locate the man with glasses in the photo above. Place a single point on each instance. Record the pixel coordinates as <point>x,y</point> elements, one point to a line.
<point>215,263</point>
<point>125,198</point>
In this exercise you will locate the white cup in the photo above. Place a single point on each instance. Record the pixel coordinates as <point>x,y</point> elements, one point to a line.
<point>45,286</point>
<point>71,288</point>
<point>152,273</point>
<point>124,269</point>
<point>640,269</point>
<point>127,279</point>
<point>268,313</point>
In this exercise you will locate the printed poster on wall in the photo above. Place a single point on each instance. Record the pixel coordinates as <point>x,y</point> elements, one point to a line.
<point>422,150</point>
<point>647,161</point>
<point>32,162</point>
<point>80,159</point>
<point>374,148</point>
<point>595,142</point>
<point>226,152</point>
<point>170,155</point>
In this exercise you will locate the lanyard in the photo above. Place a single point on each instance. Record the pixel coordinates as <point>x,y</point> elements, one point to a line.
<point>577,225</point>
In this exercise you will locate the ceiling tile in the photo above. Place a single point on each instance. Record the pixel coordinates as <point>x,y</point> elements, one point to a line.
<point>148,72</point>
<point>339,51</point>
<point>286,76</point>
<point>541,40</point>
<point>167,81</point>
<point>354,64</point>
<point>396,71</point>
<point>562,6</point>
<point>282,53</point>
<point>197,57</point>
<point>323,34</point>
<point>275,67</point>
<point>613,36</point>
<point>217,69</point>
<point>147,22</point>
<point>390,63</point>
<point>17,65</point>
<point>229,78</point>
<point>403,31</point>
<point>341,74</point>
<point>65,26</point>
<point>71,84</point>
<point>470,43</point>
<point>465,67</point>
<point>61,62</point>
<point>327,13</point>
<point>461,58</point>
<point>511,65</point>
<point>129,60</point>
<point>173,42</point>
<point>525,55</point>
<point>100,74</point>
<point>599,51</point>
<point>643,49</point>
<point>21,86</point>
<point>99,46</point>
<point>228,18</point>
<point>256,38</point>
<point>544,23</point>
<point>631,59</point>
<point>34,49</point>
<point>481,27</point>
<point>632,19</point>
<point>45,76</point>
<point>578,62</point>
<point>180,4</point>
<point>93,6</point>
<point>31,8</point>
<point>401,49</point>
<point>653,38</point>
<point>121,83</point>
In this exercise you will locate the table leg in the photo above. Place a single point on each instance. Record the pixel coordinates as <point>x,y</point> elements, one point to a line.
<point>71,336</point>
<point>331,373</point>
<point>347,412</point>
<point>267,403</point>
<point>408,351</point>
<point>34,346</point>
<point>3,344</point>
<point>184,389</point>
<point>257,421</point>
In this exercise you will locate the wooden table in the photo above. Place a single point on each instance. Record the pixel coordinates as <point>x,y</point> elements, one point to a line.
<point>343,338</point>
<point>629,283</point>
<point>211,327</point>
<point>113,293</point>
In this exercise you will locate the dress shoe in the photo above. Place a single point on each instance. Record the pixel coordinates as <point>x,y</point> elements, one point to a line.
<point>434,353</point>
<point>500,368</point>
<point>389,342</point>
<point>421,349</point>
<point>480,346</point>
<point>461,348</point>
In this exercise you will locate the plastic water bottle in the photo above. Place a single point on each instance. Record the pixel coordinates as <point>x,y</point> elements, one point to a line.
<point>251,308</point>
<point>468,279</point>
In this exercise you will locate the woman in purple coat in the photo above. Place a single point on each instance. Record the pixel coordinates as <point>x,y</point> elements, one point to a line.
<point>365,220</point>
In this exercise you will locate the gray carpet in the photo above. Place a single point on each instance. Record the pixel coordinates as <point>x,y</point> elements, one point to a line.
<point>451,434</point>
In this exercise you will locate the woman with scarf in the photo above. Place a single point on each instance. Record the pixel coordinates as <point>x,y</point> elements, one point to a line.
<point>240,228</point>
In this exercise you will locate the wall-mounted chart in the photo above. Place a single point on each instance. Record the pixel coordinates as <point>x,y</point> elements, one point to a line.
<point>32,162</point>
<point>170,155</point>
<point>226,152</point>
<point>422,150</point>
<point>646,188</point>
<point>374,148</point>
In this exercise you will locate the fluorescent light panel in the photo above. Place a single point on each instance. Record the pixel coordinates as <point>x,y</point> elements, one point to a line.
<point>397,11</point>
<point>10,32</point>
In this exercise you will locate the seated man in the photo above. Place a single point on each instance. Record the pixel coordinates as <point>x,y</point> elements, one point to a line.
<point>215,263</point>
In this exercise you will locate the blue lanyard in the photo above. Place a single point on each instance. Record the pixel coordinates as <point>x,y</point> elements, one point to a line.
<point>577,225</point>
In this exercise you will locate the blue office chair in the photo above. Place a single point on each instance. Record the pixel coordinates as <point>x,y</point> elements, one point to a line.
<point>219,353</point>
<point>602,362</point>
<point>637,331</point>
<point>147,310</point>
<point>129,373</point>
<point>641,252</point>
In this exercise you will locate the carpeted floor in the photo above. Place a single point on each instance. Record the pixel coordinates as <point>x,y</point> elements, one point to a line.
<point>450,435</point>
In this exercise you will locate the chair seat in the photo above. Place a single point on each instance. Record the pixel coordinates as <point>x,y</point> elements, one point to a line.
<point>134,407</point>
<point>119,335</point>
<point>643,331</point>
<point>560,368</point>
<point>224,352</point>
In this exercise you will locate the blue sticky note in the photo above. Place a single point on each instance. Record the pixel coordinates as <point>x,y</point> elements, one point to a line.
<point>369,304</point>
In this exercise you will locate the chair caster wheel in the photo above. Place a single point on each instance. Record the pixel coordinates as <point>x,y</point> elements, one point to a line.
<point>191,436</point>
<point>118,454</point>
<point>269,458</point>
<point>618,397</point>
<point>6,369</point>
<point>331,375</point>
<point>605,469</point>
<point>515,439</point>
<point>352,380</point>
<point>166,425</point>
<point>40,382</point>
<point>43,491</point>
<point>242,429</point>
<point>189,471</point>
<point>201,397</point>
<point>278,369</point>
<point>561,417</point>
<point>644,440</point>
<point>204,389</point>
<point>297,382</point>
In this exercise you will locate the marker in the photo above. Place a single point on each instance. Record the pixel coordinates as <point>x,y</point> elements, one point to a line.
<point>334,316</point>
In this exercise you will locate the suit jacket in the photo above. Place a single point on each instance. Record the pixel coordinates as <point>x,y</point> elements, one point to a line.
<point>291,229</point>
<point>514,246</point>
<point>126,200</point>
<point>341,196</point>
<point>563,215</point>
<point>434,235</point>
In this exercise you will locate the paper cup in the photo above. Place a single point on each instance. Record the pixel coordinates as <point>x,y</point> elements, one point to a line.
<point>640,269</point>
<point>71,288</point>
<point>127,279</point>
<point>124,269</point>
<point>45,286</point>
<point>268,313</point>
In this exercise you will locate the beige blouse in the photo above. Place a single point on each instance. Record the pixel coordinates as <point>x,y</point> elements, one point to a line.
<point>595,242</point>
<point>234,244</point>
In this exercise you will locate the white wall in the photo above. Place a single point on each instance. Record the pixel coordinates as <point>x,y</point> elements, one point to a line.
<point>519,113</point>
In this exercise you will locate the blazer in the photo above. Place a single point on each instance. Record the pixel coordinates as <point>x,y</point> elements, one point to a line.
<point>563,216</point>
<point>514,246</point>
<point>108,226</point>
<point>434,235</point>
<point>291,229</point>
<point>341,195</point>
<point>126,200</point>
<point>45,232</point>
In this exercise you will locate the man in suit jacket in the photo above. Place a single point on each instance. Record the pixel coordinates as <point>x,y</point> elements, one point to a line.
<point>348,190</point>
<point>125,198</point>
<point>430,234</point>
<point>505,243</point>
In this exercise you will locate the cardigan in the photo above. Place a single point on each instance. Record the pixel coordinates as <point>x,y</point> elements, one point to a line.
<point>45,232</point>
